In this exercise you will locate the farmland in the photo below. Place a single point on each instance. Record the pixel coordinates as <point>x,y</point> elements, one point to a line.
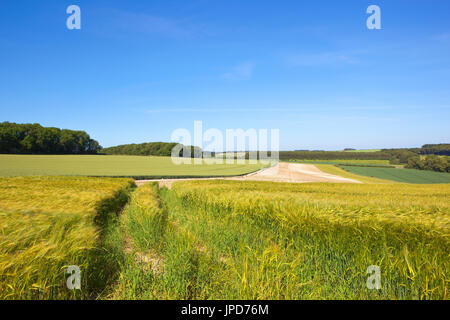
<point>222,239</point>
<point>117,166</point>
<point>260,240</point>
<point>218,239</point>
<point>333,169</point>
<point>400,175</point>
<point>224,159</point>
<point>50,223</point>
<point>378,171</point>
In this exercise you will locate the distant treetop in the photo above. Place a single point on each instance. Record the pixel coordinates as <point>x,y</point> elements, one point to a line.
<point>35,139</point>
<point>147,149</point>
<point>142,149</point>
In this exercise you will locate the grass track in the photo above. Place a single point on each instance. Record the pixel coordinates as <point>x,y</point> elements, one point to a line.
<point>163,260</point>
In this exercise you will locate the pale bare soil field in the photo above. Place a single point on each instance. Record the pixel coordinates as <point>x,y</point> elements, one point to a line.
<point>281,172</point>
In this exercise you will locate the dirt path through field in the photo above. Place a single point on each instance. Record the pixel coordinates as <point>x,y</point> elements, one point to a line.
<point>294,172</point>
<point>282,172</point>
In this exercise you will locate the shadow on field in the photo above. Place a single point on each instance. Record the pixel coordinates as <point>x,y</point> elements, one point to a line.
<point>106,258</point>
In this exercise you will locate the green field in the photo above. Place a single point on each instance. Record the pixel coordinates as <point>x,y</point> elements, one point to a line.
<point>112,166</point>
<point>400,175</point>
<point>338,171</point>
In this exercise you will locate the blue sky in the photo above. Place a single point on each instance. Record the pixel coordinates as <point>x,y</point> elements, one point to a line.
<point>137,70</point>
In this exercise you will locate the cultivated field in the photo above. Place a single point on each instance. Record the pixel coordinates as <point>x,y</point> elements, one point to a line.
<point>335,170</point>
<point>294,172</point>
<point>280,172</point>
<point>400,175</point>
<point>118,166</point>
<point>230,238</point>
<point>49,223</point>
<point>259,240</point>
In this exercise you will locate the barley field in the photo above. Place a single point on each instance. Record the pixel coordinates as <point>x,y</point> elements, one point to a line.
<point>259,240</point>
<point>138,167</point>
<point>221,239</point>
<point>49,223</point>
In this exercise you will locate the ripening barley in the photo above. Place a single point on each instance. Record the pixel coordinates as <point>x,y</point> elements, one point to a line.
<point>47,224</point>
<point>326,236</point>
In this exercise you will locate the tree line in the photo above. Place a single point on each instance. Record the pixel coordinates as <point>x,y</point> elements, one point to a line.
<point>442,149</point>
<point>142,149</point>
<point>403,156</point>
<point>334,155</point>
<point>148,149</point>
<point>430,162</point>
<point>35,139</point>
<point>395,156</point>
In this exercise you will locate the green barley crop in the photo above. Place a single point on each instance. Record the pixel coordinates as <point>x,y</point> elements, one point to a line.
<point>220,239</point>
<point>257,240</point>
<point>302,241</point>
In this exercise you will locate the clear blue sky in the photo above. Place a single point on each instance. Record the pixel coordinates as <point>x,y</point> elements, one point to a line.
<point>137,70</point>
